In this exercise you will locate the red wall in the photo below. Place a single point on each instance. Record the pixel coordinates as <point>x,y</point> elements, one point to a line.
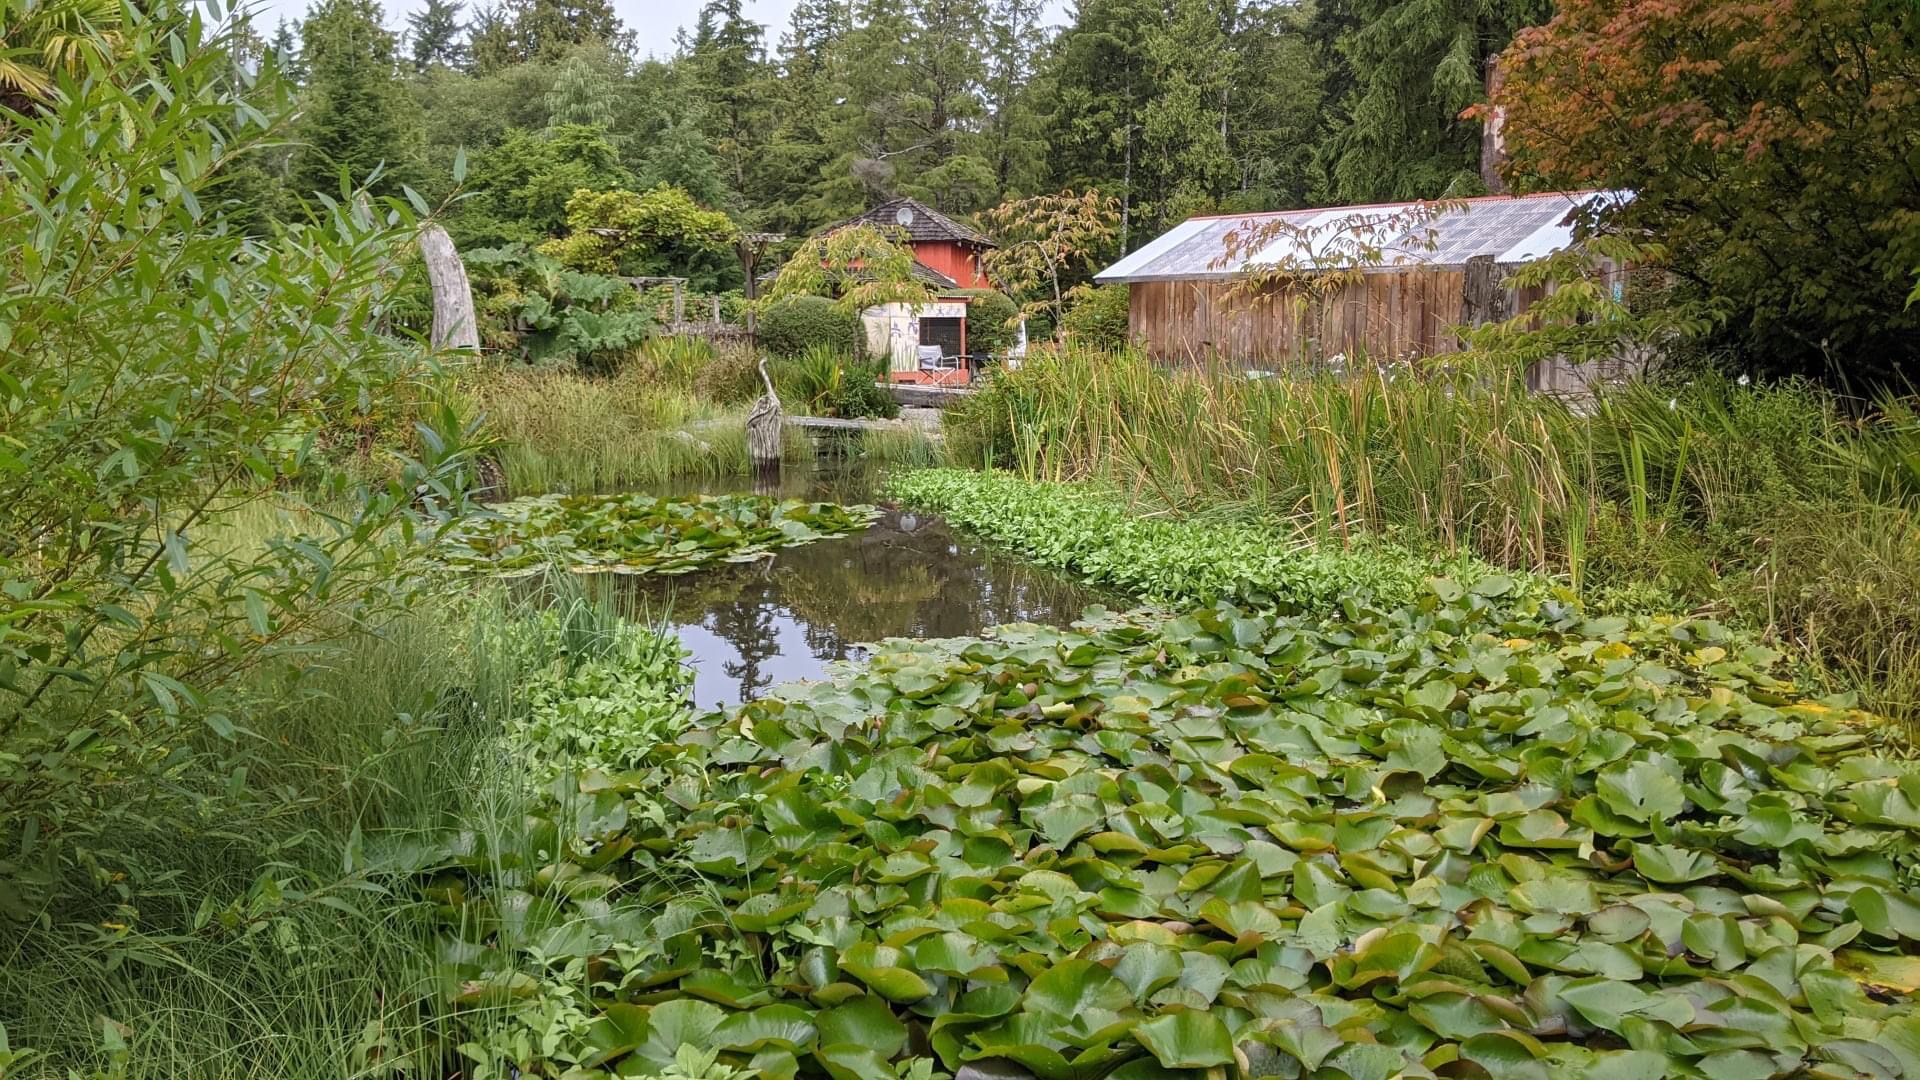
<point>954,260</point>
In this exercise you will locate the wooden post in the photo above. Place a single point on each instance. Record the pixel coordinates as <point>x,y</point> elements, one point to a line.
<point>454,326</point>
<point>763,430</point>
<point>1483,295</point>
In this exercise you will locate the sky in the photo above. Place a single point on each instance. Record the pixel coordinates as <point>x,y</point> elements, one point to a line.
<point>652,21</point>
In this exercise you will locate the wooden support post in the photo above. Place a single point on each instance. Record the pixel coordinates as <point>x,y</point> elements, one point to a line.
<point>1483,295</point>
<point>454,325</point>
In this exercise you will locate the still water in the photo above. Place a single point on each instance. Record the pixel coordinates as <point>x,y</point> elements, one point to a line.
<point>753,626</point>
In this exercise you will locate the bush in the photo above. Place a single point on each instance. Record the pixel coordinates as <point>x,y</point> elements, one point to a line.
<point>860,396</point>
<point>161,376</point>
<point>788,328</point>
<point>732,377</point>
<point>1097,317</point>
<point>822,382</point>
<point>991,322</point>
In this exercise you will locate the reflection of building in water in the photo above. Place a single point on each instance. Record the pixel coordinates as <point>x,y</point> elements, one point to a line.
<point>751,627</point>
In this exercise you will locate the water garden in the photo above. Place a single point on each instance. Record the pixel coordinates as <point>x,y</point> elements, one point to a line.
<point>1349,812</point>
<point>376,707</point>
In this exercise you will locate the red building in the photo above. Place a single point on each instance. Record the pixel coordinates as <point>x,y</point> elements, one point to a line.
<point>925,342</point>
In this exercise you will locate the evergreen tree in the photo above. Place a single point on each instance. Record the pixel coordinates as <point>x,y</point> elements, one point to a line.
<point>790,189</point>
<point>434,36</point>
<point>1014,41</point>
<point>517,31</point>
<point>729,63</point>
<point>353,119</point>
<point>285,48</point>
<point>913,73</point>
<point>583,92</point>
<point>671,134</point>
<point>1102,82</point>
<point>1185,166</point>
<point>1276,123</point>
<point>1415,65</point>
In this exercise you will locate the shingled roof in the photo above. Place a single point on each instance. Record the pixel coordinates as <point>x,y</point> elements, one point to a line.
<point>928,225</point>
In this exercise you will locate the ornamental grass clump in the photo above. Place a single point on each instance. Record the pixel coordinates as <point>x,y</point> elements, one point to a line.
<point>1475,835</point>
<point>640,534</point>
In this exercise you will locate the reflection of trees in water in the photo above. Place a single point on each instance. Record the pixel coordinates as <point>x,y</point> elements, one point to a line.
<point>906,576</point>
<point>748,623</point>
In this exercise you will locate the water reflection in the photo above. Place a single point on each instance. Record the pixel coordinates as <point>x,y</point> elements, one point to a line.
<point>752,627</point>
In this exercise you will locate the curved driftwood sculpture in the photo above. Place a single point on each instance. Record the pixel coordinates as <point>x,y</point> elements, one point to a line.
<point>763,428</point>
<point>454,326</point>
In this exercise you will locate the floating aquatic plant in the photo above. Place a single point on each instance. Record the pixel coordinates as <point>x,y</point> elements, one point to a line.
<point>642,534</point>
<point>1478,836</point>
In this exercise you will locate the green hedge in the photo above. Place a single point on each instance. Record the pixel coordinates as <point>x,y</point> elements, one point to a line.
<point>790,327</point>
<point>1110,541</point>
<point>1097,317</point>
<point>989,314</point>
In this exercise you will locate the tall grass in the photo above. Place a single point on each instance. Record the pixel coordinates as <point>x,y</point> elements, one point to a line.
<point>275,949</point>
<point>560,431</point>
<point>1771,503</point>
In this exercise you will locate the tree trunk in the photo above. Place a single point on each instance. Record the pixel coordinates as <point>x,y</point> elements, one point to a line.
<point>454,326</point>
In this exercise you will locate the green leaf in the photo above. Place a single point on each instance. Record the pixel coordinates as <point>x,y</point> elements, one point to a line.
<point>1186,1040</point>
<point>782,1026</point>
<point>1673,865</point>
<point>1074,986</point>
<point>1641,790</point>
<point>884,969</point>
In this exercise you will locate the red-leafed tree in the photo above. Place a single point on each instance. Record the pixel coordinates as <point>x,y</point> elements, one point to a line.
<point>1773,146</point>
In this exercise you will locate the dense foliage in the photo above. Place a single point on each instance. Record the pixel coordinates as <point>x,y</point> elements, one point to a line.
<point>1769,500</point>
<point>829,382</point>
<point>1097,318</point>
<point>162,375</point>
<point>535,310</point>
<point>639,534</point>
<point>993,322</point>
<point>1470,832</point>
<point>1106,539</point>
<point>789,327</point>
<point>1767,144</point>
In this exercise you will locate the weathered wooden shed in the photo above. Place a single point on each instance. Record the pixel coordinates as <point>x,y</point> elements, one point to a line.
<point>1386,282</point>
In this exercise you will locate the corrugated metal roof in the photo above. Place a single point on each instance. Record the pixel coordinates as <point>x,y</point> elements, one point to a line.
<point>1510,228</point>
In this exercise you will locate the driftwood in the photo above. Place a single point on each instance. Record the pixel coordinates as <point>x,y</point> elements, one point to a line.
<point>763,429</point>
<point>454,326</point>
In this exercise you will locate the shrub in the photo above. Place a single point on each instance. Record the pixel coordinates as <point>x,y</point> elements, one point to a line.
<point>1097,317</point>
<point>788,328</point>
<point>860,396</point>
<point>160,376</point>
<point>992,325</point>
<point>822,382</point>
<point>732,377</point>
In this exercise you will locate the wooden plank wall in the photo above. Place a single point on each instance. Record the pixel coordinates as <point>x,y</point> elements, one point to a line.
<point>1387,316</point>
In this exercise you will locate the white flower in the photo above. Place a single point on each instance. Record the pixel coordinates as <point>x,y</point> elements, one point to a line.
<point>1672,404</point>
<point>1744,380</point>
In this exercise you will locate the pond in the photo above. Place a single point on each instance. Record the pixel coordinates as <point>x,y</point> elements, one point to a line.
<point>750,627</point>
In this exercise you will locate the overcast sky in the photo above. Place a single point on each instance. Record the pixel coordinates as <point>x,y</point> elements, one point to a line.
<point>652,21</point>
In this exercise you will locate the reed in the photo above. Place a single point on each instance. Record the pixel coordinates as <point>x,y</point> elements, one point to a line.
<point>1707,494</point>
<point>566,432</point>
